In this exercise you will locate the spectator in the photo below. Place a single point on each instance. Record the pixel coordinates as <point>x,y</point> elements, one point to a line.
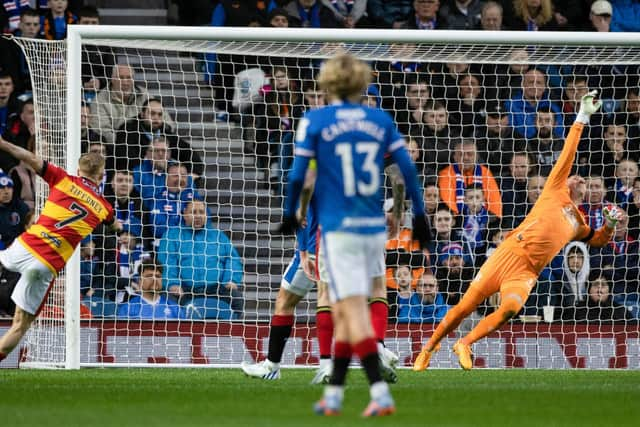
<point>12,59</point>
<point>626,175</point>
<point>633,210</point>
<point>389,13</point>
<point>410,102</point>
<point>514,189</point>
<point>575,273</point>
<point>475,220</point>
<point>454,272</point>
<point>310,14</point>
<point>278,18</point>
<point>532,15</point>
<point>576,86</point>
<point>167,204</point>
<point>491,16</point>
<point>313,96</point>
<point>118,102</point>
<point>89,268</point>
<point>434,138</point>
<point>431,199</point>
<point>495,237</point>
<point>130,254</point>
<point>469,106</point>
<point>502,81</point>
<point>496,141</point>
<point>446,234</point>
<point>620,259</point>
<point>444,80</point>
<point>202,267</point>
<point>15,217</point>
<point>126,202</point>
<point>600,16</point>
<point>13,212</point>
<point>7,99</point>
<point>533,96</point>
<point>426,305</point>
<point>632,112</point>
<point>149,176</point>
<point>626,16</point>
<point>97,61</point>
<point>276,120</point>
<point>425,16</point>
<point>221,69</point>
<point>404,268</point>
<point>405,244</point>
<point>348,13</point>
<point>134,137</point>
<point>462,14</point>
<point>599,306</point>
<point>463,172</point>
<point>596,200</point>
<point>54,22</point>
<point>545,147</point>
<point>152,302</point>
<point>24,180</point>
<point>20,129</point>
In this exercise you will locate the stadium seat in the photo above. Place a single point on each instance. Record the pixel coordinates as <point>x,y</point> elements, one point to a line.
<point>101,307</point>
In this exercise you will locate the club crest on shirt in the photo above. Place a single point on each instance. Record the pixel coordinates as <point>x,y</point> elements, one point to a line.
<point>14,218</point>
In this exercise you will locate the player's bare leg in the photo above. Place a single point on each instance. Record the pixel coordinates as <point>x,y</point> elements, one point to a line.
<point>21,323</point>
<point>281,325</point>
<point>379,308</point>
<point>512,300</point>
<point>452,319</point>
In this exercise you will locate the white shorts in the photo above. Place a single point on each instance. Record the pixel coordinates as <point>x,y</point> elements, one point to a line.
<point>352,262</point>
<point>33,286</point>
<point>294,279</point>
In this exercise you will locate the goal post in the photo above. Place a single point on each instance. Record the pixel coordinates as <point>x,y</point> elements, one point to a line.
<point>242,201</point>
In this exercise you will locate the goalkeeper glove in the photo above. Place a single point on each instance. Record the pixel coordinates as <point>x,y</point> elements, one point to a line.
<point>289,225</point>
<point>611,215</point>
<point>421,231</point>
<point>588,107</point>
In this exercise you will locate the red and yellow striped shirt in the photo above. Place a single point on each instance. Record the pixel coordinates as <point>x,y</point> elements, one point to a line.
<point>72,211</point>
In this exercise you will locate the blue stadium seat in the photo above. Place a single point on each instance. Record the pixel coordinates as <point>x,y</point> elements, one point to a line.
<point>209,308</point>
<point>101,307</point>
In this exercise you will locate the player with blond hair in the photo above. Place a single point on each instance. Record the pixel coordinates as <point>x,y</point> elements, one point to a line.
<point>349,142</point>
<point>515,265</point>
<point>72,211</point>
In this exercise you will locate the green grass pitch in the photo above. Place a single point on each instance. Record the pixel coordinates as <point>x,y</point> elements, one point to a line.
<point>225,397</point>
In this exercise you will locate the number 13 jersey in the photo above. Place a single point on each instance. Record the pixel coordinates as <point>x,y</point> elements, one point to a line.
<point>349,142</point>
<point>72,211</point>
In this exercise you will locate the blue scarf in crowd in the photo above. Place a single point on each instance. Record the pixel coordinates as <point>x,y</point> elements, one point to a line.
<point>310,18</point>
<point>460,185</point>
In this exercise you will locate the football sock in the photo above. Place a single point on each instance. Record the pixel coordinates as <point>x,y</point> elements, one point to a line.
<point>324,331</point>
<point>280,330</point>
<point>367,351</point>
<point>341,360</point>
<point>452,319</point>
<point>379,308</point>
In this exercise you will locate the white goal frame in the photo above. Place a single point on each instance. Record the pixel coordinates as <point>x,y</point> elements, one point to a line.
<point>79,33</point>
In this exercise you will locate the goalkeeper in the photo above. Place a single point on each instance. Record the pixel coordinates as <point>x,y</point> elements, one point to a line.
<point>514,268</point>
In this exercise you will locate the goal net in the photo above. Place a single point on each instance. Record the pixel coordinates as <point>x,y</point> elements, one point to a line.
<point>197,127</point>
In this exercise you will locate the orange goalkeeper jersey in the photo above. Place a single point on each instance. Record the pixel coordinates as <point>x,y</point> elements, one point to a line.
<point>555,220</point>
<point>72,211</point>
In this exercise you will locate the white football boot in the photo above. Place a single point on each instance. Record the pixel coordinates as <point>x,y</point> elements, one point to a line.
<point>324,372</point>
<point>267,370</point>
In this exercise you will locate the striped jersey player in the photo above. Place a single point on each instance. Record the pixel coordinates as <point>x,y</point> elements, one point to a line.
<point>72,211</point>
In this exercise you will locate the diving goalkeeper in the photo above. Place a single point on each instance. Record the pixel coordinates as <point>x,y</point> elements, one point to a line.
<point>514,268</point>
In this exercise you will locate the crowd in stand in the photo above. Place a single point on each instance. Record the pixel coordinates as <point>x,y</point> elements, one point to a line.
<point>484,138</point>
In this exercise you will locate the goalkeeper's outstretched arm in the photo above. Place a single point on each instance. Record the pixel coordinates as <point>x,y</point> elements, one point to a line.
<point>24,155</point>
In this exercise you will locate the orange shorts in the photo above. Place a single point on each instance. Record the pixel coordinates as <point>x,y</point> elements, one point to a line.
<point>503,271</point>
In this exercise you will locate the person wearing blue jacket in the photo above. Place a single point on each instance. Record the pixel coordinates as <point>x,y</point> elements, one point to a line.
<point>534,95</point>
<point>201,266</point>
<point>425,305</point>
<point>153,302</point>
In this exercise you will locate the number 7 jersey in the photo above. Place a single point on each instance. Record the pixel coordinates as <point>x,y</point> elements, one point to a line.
<point>349,142</point>
<point>72,211</point>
